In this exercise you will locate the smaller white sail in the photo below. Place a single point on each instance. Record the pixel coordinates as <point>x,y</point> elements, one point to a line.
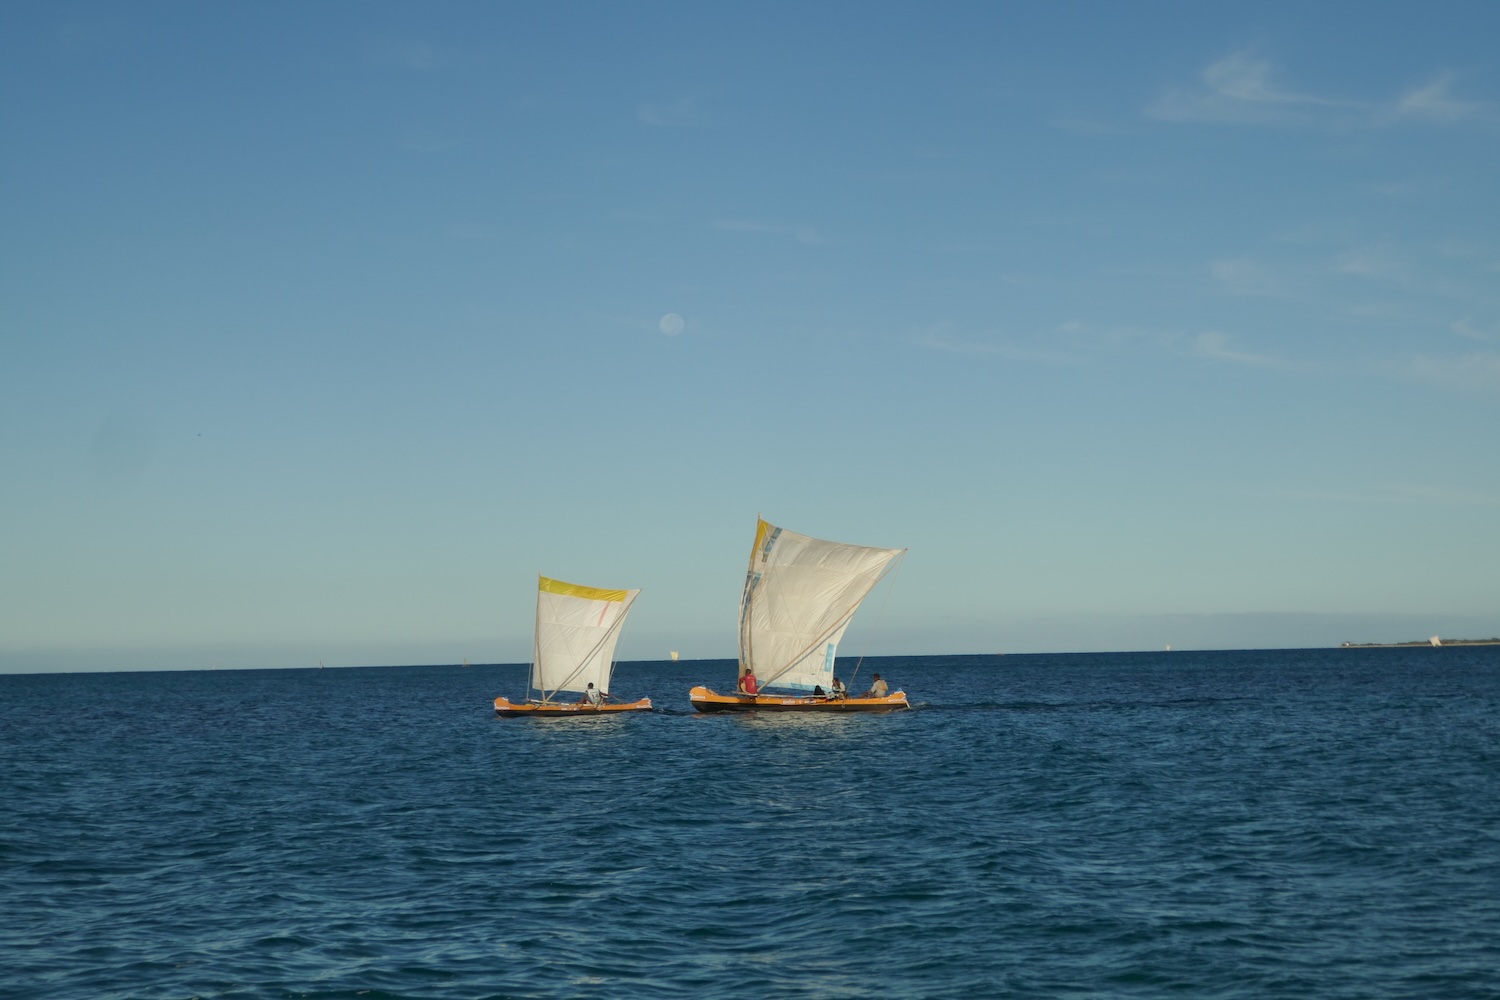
<point>577,628</point>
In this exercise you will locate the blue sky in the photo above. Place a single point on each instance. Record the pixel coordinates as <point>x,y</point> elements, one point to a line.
<point>325,328</point>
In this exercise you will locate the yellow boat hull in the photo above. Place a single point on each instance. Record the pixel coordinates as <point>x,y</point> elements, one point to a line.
<point>510,710</point>
<point>705,700</point>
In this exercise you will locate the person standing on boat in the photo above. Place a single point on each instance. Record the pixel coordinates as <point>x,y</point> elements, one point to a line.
<point>839,691</point>
<point>748,683</point>
<point>593,695</point>
<point>878,689</point>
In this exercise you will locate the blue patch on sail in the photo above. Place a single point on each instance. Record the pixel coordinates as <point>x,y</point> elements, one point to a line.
<point>765,550</point>
<point>828,659</point>
<point>752,582</point>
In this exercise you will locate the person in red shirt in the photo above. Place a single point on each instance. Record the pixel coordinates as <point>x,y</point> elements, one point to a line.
<point>748,683</point>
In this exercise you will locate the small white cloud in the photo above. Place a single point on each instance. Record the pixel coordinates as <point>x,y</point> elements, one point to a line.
<point>1371,262</point>
<point>1400,188</point>
<point>1241,88</point>
<point>1242,76</point>
<point>1469,331</point>
<point>1434,102</point>
<point>1242,276</point>
<point>1216,346</point>
<point>741,226</point>
<point>1245,88</point>
<point>1479,372</point>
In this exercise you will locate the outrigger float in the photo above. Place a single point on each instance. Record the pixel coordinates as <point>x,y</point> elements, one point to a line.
<point>705,700</point>
<point>800,595</point>
<point>506,708</point>
<point>576,631</point>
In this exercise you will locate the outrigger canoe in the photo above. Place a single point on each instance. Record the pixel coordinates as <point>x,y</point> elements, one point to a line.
<point>705,700</point>
<point>576,631</point>
<point>800,594</point>
<point>540,709</point>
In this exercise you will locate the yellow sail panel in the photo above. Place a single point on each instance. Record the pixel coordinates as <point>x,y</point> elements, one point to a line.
<point>549,586</point>
<point>762,528</point>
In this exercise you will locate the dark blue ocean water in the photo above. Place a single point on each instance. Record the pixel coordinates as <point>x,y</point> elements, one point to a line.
<point>1290,823</point>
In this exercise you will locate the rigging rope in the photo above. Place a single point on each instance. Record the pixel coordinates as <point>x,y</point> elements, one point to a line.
<point>885,599</point>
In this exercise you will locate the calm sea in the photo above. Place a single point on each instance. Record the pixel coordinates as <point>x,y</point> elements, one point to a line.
<point>1289,823</point>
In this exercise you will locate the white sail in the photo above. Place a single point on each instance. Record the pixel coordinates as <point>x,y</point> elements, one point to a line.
<point>576,631</point>
<point>800,595</point>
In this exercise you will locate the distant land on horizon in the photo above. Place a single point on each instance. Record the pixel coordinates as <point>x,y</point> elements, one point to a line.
<point>1495,641</point>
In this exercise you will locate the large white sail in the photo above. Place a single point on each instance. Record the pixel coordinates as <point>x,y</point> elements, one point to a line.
<point>800,594</point>
<point>576,631</point>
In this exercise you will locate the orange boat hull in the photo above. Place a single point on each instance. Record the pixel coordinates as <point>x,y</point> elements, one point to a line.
<point>705,700</point>
<point>509,709</point>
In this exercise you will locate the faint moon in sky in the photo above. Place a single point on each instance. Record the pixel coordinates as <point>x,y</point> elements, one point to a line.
<point>671,324</point>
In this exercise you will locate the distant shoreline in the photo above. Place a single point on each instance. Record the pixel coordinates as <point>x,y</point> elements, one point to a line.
<point>1421,642</point>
